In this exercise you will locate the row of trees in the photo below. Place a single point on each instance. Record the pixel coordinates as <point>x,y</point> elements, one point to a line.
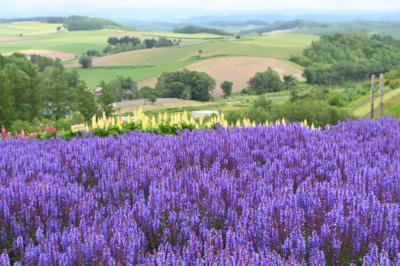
<point>339,58</point>
<point>117,45</point>
<point>198,29</point>
<point>41,89</point>
<point>198,86</point>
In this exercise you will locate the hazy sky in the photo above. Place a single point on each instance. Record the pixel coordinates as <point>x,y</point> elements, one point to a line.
<point>23,7</point>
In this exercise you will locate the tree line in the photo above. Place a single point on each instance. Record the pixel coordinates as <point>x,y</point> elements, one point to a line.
<point>198,29</point>
<point>339,58</point>
<point>277,25</point>
<point>82,23</point>
<point>127,43</point>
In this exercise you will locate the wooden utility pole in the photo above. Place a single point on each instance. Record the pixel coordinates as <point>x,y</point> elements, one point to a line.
<point>381,87</point>
<point>372,95</point>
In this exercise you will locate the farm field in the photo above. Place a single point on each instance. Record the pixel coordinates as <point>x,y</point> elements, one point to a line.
<point>43,36</point>
<point>238,69</point>
<point>146,65</point>
<point>170,59</point>
<point>277,47</point>
<point>27,28</point>
<point>94,76</point>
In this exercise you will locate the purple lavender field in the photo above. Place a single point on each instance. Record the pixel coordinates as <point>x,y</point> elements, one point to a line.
<point>256,196</point>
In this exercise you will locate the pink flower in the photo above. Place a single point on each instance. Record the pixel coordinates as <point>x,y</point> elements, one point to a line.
<point>3,133</point>
<point>22,135</point>
<point>50,130</point>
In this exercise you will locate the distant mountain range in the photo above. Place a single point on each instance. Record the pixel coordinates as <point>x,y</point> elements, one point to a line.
<point>316,23</point>
<point>190,16</point>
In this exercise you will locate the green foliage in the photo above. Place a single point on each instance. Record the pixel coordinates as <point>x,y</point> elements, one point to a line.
<point>7,114</point>
<point>227,87</point>
<point>80,23</point>
<point>116,90</point>
<point>150,43</point>
<point>85,62</point>
<point>393,110</point>
<point>314,111</point>
<point>148,93</point>
<point>392,79</point>
<point>42,62</point>
<point>126,43</point>
<point>107,98</point>
<point>124,40</point>
<point>186,84</point>
<point>92,53</point>
<point>339,58</point>
<point>86,103</point>
<point>289,82</point>
<point>320,106</point>
<point>198,29</point>
<point>164,42</point>
<point>300,60</point>
<point>268,81</point>
<point>39,124</point>
<point>261,110</point>
<point>40,88</point>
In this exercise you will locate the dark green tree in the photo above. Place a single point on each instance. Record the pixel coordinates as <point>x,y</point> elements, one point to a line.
<point>148,93</point>
<point>268,81</point>
<point>86,101</point>
<point>106,99</point>
<point>289,81</point>
<point>85,61</point>
<point>150,43</point>
<point>7,114</point>
<point>57,95</point>
<point>227,87</point>
<point>179,83</point>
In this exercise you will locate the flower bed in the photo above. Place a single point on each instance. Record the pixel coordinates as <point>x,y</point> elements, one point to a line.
<point>280,195</point>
